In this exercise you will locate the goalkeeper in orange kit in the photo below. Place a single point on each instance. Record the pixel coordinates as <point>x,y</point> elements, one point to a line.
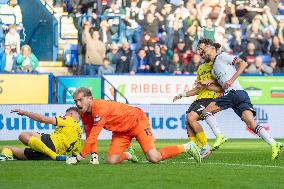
<point>125,122</point>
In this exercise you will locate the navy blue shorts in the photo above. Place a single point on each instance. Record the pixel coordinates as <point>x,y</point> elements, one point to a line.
<point>238,100</point>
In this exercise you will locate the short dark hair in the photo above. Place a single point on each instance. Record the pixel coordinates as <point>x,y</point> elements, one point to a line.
<point>205,41</point>
<point>73,108</point>
<point>216,45</point>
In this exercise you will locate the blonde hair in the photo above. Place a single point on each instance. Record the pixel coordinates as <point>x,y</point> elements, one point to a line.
<point>13,26</point>
<point>26,47</point>
<point>86,92</point>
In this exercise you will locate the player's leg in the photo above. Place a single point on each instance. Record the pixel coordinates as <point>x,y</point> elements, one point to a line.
<point>217,105</point>
<point>18,153</point>
<point>248,117</point>
<point>192,118</point>
<point>190,132</point>
<point>153,155</point>
<point>191,135</point>
<point>24,137</point>
<point>116,153</point>
<point>146,140</point>
<point>41,143</point>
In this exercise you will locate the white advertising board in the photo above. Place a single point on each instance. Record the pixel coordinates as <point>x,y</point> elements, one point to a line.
<point>167,121</point>
<point>144,89</point>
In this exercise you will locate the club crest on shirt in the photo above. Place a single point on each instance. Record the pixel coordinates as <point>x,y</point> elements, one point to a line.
<point>97,119</point>
<point>63,117</point>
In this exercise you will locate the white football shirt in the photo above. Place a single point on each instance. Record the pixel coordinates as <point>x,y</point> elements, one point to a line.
<point>224,69</point>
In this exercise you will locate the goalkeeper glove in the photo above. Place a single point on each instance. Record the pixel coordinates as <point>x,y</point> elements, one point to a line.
<point>94,159</point>
<point>74,160</point>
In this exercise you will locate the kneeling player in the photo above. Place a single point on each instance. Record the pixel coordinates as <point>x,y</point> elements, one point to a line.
<point>65,138</point>
<point>125,122</point>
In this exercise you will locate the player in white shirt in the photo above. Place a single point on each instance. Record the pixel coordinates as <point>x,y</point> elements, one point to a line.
<point>235,97</point>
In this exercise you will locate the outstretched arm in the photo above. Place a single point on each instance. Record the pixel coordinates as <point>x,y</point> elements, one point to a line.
<point>192,92</point>
<point>35,116</point>
<point>215,88</point>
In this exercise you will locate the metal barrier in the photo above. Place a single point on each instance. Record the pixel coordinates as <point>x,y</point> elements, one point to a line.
<point>8,15</point>
<point>48,7</point>
<point>86,17</point>
<point>65,92</point>
<point>115,92</point>
<point>21,33</point>
<point>58,99</point>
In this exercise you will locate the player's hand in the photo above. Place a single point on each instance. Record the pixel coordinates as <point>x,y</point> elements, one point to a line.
<point>94,159</point>
<point>228,84</point>
<point>177,97</point>
<point>71,160</point>
<point>19,112</point>
<point>74,160</point>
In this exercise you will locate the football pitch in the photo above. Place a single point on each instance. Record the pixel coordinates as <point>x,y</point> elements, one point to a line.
<point>238,164</point>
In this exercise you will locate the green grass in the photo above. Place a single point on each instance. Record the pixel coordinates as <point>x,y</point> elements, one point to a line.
<point>239,164</point>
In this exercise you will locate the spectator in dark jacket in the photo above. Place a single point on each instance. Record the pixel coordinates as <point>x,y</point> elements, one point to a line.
<point>158,61</point>
<point>249,54</point>
<point>124,59</point>
<point>176,67</point>
<point>142,63</point>
<point>277,51</point>
<point>193,65</point>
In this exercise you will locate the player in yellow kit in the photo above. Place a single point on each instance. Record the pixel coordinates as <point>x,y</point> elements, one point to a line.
<point>66,138</point>
<point>205,94</point>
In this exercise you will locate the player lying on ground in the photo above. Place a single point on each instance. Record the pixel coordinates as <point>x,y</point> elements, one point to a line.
<point>235,97</point>
<point>66,137</point>
<point>125,122</point>
<point>205,94</point>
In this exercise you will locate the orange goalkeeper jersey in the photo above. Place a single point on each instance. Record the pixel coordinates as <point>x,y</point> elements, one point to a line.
<point>110,115</point>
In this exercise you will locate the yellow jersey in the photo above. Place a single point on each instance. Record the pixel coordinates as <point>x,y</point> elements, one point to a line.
<point>67,135</point>
<point>204,74</point>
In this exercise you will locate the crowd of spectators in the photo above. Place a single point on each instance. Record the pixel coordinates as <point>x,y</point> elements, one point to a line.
<point>13,57</point>
<point>160,36</point>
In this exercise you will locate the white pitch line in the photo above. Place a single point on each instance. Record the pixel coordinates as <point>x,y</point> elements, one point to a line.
<point>226,164</point>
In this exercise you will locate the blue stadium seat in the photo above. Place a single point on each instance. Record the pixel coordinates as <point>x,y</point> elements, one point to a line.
<point>266,59</point>
<point>279,17</point>
<point>4,1</point>
<point>71,54</point>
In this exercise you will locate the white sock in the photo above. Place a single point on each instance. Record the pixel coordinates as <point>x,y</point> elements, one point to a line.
<point>206,146</point>
<point>187,146</point>
<point>262,133</point>
<point>211,121</point>
<point>129,156</point>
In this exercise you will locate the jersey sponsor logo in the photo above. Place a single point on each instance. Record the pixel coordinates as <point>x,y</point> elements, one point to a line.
<point>97,119</point>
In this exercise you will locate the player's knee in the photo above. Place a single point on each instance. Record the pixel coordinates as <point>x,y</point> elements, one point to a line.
<point>24,138</point>
<point>112,160</point>
<point>154,158</point>
<point>191,118</point>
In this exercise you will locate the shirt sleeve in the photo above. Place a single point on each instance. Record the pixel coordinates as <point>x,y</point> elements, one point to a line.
<point>90,145</point>
<point>229,59</point>
<point>62,121</point>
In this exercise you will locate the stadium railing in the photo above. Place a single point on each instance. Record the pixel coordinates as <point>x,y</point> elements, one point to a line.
<point>116,91</point>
